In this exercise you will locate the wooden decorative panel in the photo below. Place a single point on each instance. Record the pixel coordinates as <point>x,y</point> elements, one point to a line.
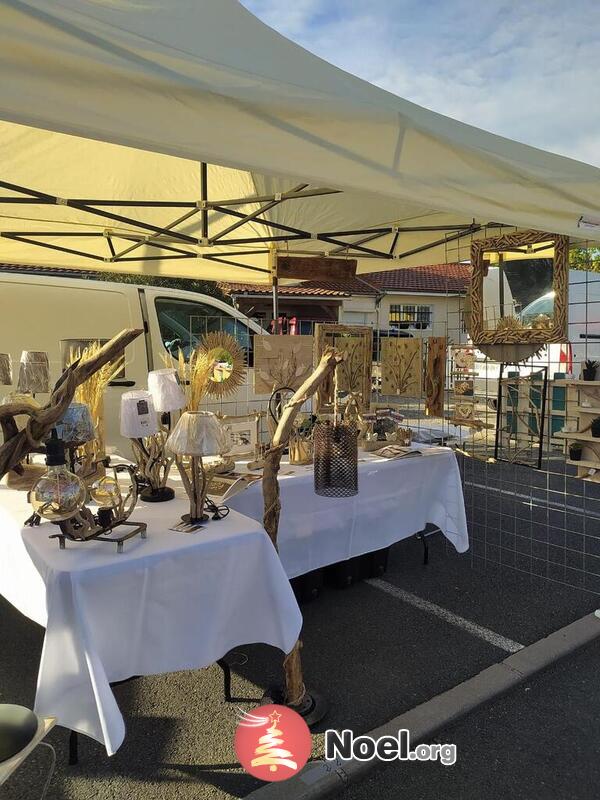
<point>402,367</point>
<point>281,361</point>
<point>435,375</point>
<point>354,373</point>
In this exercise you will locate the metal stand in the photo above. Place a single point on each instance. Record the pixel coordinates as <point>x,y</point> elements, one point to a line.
<point>74,736</point>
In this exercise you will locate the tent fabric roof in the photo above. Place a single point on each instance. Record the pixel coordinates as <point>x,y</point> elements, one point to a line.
<point>121,100</point>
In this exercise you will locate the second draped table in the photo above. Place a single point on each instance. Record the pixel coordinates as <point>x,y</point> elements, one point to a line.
<point>396,499</point>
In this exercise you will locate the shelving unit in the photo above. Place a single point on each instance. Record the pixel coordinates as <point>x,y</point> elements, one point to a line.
<point>588,467</point>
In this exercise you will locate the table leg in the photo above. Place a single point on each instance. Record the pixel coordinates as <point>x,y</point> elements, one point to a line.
<point>73,748</point>
<point>423,537</point>
<point>226,679</point>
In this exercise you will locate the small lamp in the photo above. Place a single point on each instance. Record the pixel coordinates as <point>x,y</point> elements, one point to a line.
<point>6,377</point>
<point>75,428</point>
<point>166,391</point>
<point>34,372</point>
<point>197,434</point>
<point>139,424</point>
<point>59,493</point>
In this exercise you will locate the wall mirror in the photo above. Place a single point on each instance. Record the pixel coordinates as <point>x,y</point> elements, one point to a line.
<point>519,289</point>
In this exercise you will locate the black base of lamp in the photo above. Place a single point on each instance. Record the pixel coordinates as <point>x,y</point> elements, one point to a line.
<point>158,495</point>
<point>313,708</point>
<point>193,521</point>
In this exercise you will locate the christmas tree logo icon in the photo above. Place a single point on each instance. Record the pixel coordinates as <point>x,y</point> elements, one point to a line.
<point>272,742</point>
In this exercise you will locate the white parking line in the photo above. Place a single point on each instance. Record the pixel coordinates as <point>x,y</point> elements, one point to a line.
<point>453,619</point>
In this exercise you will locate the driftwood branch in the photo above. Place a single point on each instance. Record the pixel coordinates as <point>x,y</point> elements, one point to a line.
<point>292,665</point>
<point>17,444</point>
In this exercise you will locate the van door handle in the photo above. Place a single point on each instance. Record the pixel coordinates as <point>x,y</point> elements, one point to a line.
<point>122,383</point>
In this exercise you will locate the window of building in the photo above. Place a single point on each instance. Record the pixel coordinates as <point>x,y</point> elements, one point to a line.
<point>410,316</point>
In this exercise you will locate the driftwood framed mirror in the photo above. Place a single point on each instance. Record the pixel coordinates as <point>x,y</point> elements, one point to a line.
<point>519,289</point>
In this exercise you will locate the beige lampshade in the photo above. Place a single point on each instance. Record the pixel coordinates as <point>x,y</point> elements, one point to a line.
<point>34,372</point>
<point>5,370</point>
<point>198,433</point>
<point>166,391</point>
<point>138,415</point>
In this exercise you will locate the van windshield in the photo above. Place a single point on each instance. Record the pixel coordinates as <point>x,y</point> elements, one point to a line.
<point>543,305</point>
<point>183,323</point>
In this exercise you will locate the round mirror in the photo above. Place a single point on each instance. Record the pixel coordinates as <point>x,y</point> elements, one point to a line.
<point>223,366</point>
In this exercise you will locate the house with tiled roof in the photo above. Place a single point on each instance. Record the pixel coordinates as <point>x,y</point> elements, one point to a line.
<point>424,301</point>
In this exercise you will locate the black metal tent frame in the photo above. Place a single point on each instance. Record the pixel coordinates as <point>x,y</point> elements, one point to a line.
<point>170,242</point>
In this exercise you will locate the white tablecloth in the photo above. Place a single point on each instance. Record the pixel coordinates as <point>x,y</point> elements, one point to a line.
<point>173,601</point>
<point>396,499</point>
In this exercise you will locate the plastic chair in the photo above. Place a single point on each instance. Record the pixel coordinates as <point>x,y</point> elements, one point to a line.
<point>21,731</point>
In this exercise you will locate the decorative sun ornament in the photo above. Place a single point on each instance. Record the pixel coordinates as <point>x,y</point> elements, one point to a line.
<point>229,370</point>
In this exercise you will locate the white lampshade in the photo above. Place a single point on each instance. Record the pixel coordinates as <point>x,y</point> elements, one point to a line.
<point>5,370</point>
<point>76,426</point>
<point>138,416</point>
<point>198,433</point>
<point>166,391</point>
<point>34,372</point>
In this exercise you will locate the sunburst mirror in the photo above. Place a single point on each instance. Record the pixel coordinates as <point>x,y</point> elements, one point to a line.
<point>229,370</point>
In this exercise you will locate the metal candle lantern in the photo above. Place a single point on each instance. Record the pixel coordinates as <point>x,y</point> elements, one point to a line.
<point>34,372</point>
<point>336,459</point>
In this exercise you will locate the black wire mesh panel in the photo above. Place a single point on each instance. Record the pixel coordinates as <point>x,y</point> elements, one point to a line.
<point>336,459</point>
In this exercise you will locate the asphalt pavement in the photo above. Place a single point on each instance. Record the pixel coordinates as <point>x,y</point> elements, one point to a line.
<point>373,656</point>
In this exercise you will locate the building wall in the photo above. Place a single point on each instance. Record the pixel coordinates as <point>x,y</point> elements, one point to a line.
<point>446,312</point>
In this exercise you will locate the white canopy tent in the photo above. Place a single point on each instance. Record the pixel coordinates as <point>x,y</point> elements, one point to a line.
<point>194,124</point>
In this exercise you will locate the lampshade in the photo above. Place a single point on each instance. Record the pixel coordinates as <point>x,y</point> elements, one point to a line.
<point>198,433</point>
<point>5,369</point>
<point>76,426</point>
<point>34,372</point>
<point>166,391</point>
<point>138,416</point>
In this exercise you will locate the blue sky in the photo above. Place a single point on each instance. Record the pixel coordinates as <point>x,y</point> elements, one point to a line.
<point>527,69</point>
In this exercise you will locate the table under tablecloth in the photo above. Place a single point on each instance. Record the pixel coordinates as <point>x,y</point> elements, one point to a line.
<point>396,499</point>
<point>171,602</point>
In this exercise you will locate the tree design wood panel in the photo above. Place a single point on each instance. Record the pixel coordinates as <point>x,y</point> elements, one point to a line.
<point>402,367</point>
<point>558,331</point>
<point>354,373</point>
<point>281,361</point>
<point>435,375</point>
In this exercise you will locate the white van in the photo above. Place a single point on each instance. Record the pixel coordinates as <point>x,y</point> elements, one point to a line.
<point>56,315</point>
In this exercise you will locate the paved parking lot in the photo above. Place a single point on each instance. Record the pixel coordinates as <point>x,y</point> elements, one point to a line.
<point>372,653</point>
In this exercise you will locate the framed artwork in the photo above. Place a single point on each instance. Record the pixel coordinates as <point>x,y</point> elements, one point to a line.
<point>281,361</point>
<point>402,367</point>
<point>354,373</point>
<point>244,431</point>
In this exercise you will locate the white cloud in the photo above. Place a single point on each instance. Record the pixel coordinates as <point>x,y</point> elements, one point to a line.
<point>524,70</point>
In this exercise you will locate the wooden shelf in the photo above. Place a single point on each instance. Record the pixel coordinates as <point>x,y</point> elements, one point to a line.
<point>577,437</point>
<point>584,464</point>
<point>564,382</point>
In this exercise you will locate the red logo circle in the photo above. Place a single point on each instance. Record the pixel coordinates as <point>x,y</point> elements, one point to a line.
<point>272,742</point>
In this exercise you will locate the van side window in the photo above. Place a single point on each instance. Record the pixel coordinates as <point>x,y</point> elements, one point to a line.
<point>183,323</point>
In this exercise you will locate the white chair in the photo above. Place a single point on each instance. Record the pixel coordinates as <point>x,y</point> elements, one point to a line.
<point>21,731</point>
